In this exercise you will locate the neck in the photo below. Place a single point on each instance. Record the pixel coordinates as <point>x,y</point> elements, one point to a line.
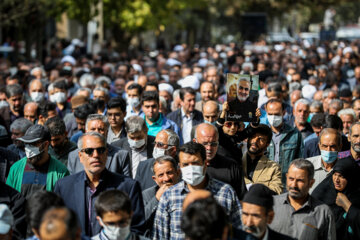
<point>277,129</point>
<point>93,178</point>
<point>202,185</point>
<point>61,106</point>
<point>116,129</point>
<point>297,203</point>
<point>328,166</point>
<point>299,126</point>
<point>187,113</point>
<point>253,156</point>
<point>354,154</point>
<point>15,113</point>
<point>150,122</point>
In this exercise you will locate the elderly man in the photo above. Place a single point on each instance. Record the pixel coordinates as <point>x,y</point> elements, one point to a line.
<point>31,111</point>
<point>329,145</point>
<point>211,111</point>
<point>166,174</point>
<point>295,96</point>
<point>38,170</point>
<point>14,96</point>
<point>138,143</point>
<point>348,117</point>
<point>18,129</point>
<point>116,111</point>
<point>356,107</point>
<point>298,214</point>
<point>192,162</point>
<point>354,139</point>
<point>187,116</point>
<point>36,91</point>
<point>207,92</point>
<point>117,160</point>
<point>301,114</point>
<point>219,167</point>
<point>335,106</point>
<point>80,191</point>
<point>101,97</point>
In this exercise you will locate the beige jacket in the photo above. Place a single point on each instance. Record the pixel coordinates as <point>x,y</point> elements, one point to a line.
<point>267,172</point>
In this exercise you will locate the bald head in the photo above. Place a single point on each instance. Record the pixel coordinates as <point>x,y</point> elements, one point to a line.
<point>207,135</point>
<point>210,111</point>
<point>195,195</point>
<point>30,111</point>
<point>294,96</point>
<point>36,86</point>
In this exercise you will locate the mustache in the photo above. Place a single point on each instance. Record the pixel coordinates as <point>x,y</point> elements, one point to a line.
<point>294,188</point>
<point>252,229</point>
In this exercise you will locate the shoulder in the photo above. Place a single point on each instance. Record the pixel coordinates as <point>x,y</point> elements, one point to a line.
<point>173,114</point>
<point>57,164</point>
<point>319,206</point>
<point>279,199</point>
<point>314,159</point>
<point>217,187</point>
<point>19,163</point>
<point>69,180</point>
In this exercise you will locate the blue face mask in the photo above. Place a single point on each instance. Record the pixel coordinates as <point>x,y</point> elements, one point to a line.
<point>212,123</point>
<point>329,156</point>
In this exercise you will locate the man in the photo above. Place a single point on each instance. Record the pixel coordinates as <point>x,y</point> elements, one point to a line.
<point>18,129</point>
<point>117,160</point>
<point>348,117</point>
<point>295,96</point>
<point>138,143</point>
<point>219,167</point>
<point>101,97</point>
<point>301,114</point>
<point>210,110</point>
<point>46,110</point>
<point>298,214</point>
<point>286,143</point>
<point>81,113</point>
<point>257,167</point>
<point>187,116</point>
<point>335,106</point>
<point>354,139</point>
<point>114,206</point>
<point>31,111</point>
<point>116,112</point>
<point>166,143</point>
<point>36,91</point>
<point>6,222</point>
<point>155,121</point>
<point>81,190</point>
<point>59,97</point>
<point>133,92</point>
<point>60,146</point>
<point>317,123</point>
<point>329,145</point>
<point>257,213</point>
<point>192,162</point>
<point>207,92</point>
<point>166,174</point>
<point>245,103</point>
<point>69,119</point>
<point>38,170</point>
<point>59,223</point>
<point>356,107</point>
<point>14,96</point>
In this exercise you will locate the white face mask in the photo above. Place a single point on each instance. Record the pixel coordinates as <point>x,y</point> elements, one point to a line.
<point>37,96</point>
<point>31,151</point>
<point>193,175</point>
<point>136,143</point>
<point>58,97</point>
<point>3,103</point>
<point>158,152</point>
<point>133,102</point>
<point>115,232</point>
<point>275,120</point>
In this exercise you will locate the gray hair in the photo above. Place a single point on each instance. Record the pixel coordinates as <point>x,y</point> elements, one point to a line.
<point>101,89</point>
<point>13,90</point>
<point>94,134</point>
<point>82,89</point>
<point>326,92</point>
<point>135,124</point>
<point>317,104</point>
<point>302,101</point>
<point>163,159</point>
<point>111,66</point>
<point>100,80</point>
<point>176,93</point>
<point>149,74</point>
<point>331,131</point>
<point>50,87</point>
<point>347,111</point>
<point>304,164</point>
<point>21,124</point>
<point>162,100</point>
<point>173,138</point>
<point>35,80</point>
<point>86,80</point>
<point>337,103</point>
<point>93,117</point>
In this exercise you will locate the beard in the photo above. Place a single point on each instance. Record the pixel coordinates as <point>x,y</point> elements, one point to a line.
<point>242,99</point>
<point>253,230</point>
<point>356,147</point>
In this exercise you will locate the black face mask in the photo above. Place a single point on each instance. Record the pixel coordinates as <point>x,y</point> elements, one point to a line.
<point>100,103</point>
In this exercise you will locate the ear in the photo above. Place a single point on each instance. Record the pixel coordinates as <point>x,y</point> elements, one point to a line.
<point>270,216</point>
<point>312,181</point>
<point>349,138</point>
<point>79,154</point>
<point>98,219</point>
<point>153,178</point>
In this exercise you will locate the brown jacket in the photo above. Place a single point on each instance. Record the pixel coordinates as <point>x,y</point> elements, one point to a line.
<point>267,172</point>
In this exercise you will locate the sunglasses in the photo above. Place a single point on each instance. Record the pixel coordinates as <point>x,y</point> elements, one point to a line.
<point>230,124</point>
<point>90,151</point>
<point>242,88</point>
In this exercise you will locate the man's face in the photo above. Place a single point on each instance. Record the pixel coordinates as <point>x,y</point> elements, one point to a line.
<point>186,159</point>
<point>119,219</point>
<point>136,136</point>
<point>207,91</point>
<point>115,117</point>
<point>301,113</point>
<point>16,134</point>
<point>257,144</point>
<point>173,76</point>
<point>36,86</point>
<point>274,108</point>
<point>92,155</point>
<point>99,95</point>
<point>328,142</point>
<point>132,93</point>
<point>354,138</point>
<point>151,110</point>
<point>43,147</point>
<point>347,120</point>
<point>165,174</point>
<point>30,113</point>
<point>210,112</point>
<point>356,108</point>
<point>207,137</point>
<point>189,103</point>
<point>161,141</point>
<point>298,183</point>
<point>80,124</point>
<point>119,85</point>
<point>15,102</point>
<point>211,75</point>
<point>165,95</point>
<point>57,142</point>
<point>97,126</point>
<point>243,90</point>
<point>122,71</point>
<point>255,219</point>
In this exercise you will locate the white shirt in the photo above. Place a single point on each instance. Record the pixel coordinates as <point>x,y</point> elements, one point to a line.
<point>137,156</point>
<point>186,126</point>
<point>112,137</point>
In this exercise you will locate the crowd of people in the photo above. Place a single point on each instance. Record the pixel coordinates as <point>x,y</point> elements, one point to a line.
<point>139,146</point>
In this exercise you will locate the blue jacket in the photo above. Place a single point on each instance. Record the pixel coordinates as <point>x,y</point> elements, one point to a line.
<point>72,190</point>
<point>291,148</point>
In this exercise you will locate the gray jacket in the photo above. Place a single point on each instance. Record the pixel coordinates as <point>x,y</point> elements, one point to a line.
<point>117,161</point>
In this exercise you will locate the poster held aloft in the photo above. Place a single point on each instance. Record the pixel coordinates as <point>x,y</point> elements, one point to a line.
<point>242,97</point>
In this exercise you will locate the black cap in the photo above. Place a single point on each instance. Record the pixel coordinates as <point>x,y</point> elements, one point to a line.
<point>35,133</point>
<point>261,195</point>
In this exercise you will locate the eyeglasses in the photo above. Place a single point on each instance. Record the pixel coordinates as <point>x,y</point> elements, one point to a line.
<point>242,88</point>
<point>230,124</point>
<point>90,151</point>
<point>211,144</point>
<point>161,145</point>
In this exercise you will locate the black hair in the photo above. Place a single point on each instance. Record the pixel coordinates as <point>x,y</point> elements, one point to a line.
<point>275,100</point>
<point>97,70</point>
<point>163,159</point>
<point>184,91</point>
<point>152,84</point>
<point>117,102</point>
<point>333,121</point>
<point>45,107</point>
<point>150,96</point>
<point>112,201</point>
<point>38,204</point>
<point>136,86</point>
<point>56,126</point>
<point>263,130</point>
<point>317,120</point>
<point>83,111</point>
<point>61,84</point>
<point>193,148</point>
<point>204,219</point>
<point>13,90</point>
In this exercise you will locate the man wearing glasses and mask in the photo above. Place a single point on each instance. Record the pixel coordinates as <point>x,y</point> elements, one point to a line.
<point>38,170</point>
<point>80,191</point>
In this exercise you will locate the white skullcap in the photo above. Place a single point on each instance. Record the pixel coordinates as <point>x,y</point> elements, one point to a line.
<point>308,92</point>
<point>279,47</point>
<point>178,48</point>
<point>202,62</point>
<point>190,81</point>
<point>137,67</point>
<point>166,87</point>
<point>321,50</point>
<point>347,50</point>
<point>172,62</point>
<point>68,59</point>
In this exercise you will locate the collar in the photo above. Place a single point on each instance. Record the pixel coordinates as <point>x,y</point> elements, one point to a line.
<point>285,200</point>
<point>103,175</point>
<point>119,133</point>
<point>184,115</point>
<point>157,122</point>
<point>266,236</point>
<point>184,188</point>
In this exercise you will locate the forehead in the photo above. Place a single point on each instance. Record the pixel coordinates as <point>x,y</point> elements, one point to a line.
<point>206,86</point>
<point>16,97</point>
<point>136,134</point>
<point>274,106</point>
<point>206,133</point>
<point>209,109</point>
<point>96,123</point>
<point>132,91</point>
<point>252,208</point>
<point>163,166</point>
<point>297,173</point>
<point>92,141</point>
<point>149,103</point>
<point>162,137</point>
<point>30,108</point>
<point>302,106</point>
<point>114,110</point>
<point>36,84</point>
<point>189,95</point>
<point>355,129</point>
<point>99,93</point>
<point>244,83</point>
<point>328,137</point>
<point>187,157</point>
<point>348,117</point>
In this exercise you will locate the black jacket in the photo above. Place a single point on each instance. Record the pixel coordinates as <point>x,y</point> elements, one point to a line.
<point>7,159</point>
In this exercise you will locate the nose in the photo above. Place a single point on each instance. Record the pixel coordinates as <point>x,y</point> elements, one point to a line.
<point>166,178</point>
